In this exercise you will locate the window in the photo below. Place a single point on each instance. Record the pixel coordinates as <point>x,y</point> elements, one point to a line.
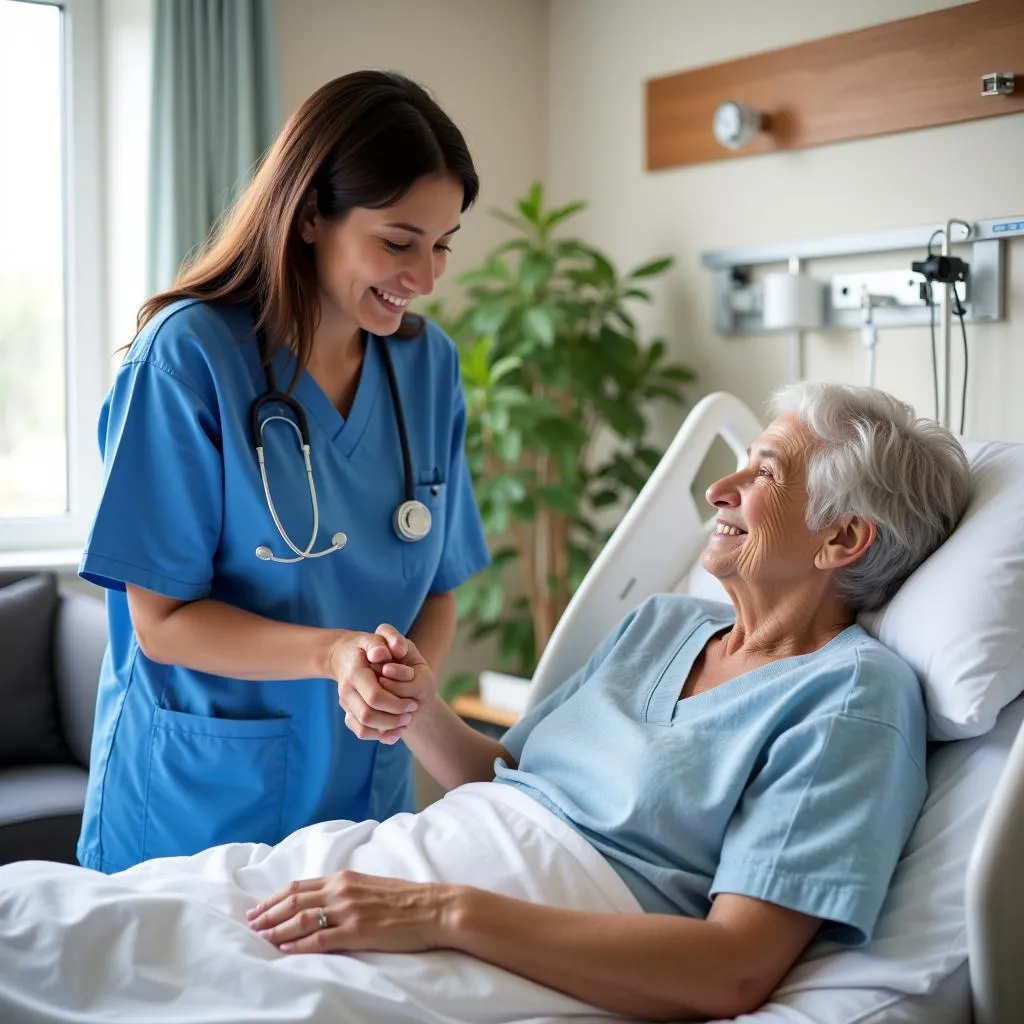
<point>51,353</point>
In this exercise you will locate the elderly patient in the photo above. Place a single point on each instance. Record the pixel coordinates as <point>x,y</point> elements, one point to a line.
<point>751,773</point>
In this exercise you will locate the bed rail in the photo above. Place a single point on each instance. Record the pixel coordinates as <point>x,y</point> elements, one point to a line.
<point>994,897</point>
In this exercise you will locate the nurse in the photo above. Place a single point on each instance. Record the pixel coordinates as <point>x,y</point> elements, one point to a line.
<point>245,594</point>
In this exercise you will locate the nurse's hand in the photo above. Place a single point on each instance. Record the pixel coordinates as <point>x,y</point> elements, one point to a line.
<point>360,912</point>
<point>371,711</point>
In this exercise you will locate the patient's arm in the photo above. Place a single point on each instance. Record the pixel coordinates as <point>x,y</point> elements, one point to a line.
<point>449,749</point>
<point>655,966</point>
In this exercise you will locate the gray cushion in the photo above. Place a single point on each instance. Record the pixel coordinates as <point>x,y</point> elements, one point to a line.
<point>30,732</point>
<point>44,792</point>
<point>41,813</point>
<point>78,648</point>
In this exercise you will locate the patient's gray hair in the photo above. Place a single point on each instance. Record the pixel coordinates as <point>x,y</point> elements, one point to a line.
<point>874,458</point>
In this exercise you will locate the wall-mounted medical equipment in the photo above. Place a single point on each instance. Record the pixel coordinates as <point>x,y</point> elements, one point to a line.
<point>916,291</point>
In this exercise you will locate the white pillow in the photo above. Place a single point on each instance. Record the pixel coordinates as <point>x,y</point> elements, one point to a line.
<point>920,938</point>
<point>958,621</point>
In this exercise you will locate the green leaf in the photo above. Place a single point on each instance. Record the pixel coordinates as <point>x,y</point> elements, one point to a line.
<point>488,317</point>
<point>650,457</point>
<point>534,271</point>
<point>504,366</point>
<point>497,519</point>
<point>561,498</point>
<point>466,599</point>
<point>563,212</point>
<point>509,445</point>
<point>604,498</point>
<point>511,397</point>
<point>627,320</point>
<point>539,324</point>
<point>652,268</point>
<point>529,206</point>
<point>680,373</point>
<point>495,271</point>
<point>491,603</point>
<point>510,219</point>
<point>455,686</point>
<point>508,489</point>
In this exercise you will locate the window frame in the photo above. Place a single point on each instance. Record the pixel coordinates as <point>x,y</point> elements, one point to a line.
<point>58,540</point>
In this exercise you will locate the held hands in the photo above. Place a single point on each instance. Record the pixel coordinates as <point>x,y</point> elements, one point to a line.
<point>382,681</point>
<point>349,911</point>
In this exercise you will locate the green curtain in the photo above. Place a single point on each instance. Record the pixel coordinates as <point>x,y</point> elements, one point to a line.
<point>214,112</point>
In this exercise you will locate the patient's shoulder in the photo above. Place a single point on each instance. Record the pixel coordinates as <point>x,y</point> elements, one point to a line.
<point>883,687</point>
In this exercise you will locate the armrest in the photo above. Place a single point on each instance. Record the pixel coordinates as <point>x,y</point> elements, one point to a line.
<point>80,641</point>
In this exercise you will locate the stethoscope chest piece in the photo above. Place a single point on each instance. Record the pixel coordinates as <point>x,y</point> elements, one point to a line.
<point>412,520</point>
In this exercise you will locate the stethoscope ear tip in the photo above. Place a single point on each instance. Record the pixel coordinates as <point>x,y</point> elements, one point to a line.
<point>263,553</point>
<point>339,540</point>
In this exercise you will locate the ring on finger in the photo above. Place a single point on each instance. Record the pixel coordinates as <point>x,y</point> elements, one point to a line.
<point>321,919</point>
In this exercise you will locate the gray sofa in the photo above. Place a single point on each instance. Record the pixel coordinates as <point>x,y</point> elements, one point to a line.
<point>51,645</point>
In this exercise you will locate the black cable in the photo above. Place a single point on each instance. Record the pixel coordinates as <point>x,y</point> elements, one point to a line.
<point>937,231</point>
<point>927,290</point>
<point>959,310</point>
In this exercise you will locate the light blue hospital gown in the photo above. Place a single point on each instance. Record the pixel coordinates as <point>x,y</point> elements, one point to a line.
<point>797,783</point>
<point>183,760</point>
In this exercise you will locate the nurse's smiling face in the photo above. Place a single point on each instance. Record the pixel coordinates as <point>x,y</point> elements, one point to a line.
<point>373,262</point>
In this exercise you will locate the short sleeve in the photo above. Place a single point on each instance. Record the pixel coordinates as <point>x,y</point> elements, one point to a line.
<point>158,522</point>
<point>821,826</point>
<point>465,548</point>
<point>514,739</point>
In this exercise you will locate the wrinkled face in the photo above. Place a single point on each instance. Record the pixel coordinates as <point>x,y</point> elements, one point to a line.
<point>761,533</point>
<point>372,263</point>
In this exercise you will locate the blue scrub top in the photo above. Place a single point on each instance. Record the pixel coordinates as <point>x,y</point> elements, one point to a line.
<point>184,760</point>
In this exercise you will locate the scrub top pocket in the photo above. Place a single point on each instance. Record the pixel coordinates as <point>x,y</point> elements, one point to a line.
<point>422,557</point>
<point>213,781</point>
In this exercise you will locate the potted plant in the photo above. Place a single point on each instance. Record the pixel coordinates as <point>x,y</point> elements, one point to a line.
<point>556,381</point>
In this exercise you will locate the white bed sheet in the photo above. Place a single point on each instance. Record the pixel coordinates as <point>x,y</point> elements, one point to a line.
<point>167,941</point>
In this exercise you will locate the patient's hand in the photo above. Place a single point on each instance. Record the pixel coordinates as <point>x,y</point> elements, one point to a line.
<point>362,912</point>
<point>383,708</point>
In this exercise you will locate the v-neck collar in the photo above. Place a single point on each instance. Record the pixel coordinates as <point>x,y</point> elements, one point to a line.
<point>663,703</point>
<point>344,433</point>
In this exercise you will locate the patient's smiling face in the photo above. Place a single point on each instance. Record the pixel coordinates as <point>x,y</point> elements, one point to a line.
<point>761,534</point>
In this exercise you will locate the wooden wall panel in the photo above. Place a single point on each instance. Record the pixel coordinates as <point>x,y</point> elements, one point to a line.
<point>912,73</point>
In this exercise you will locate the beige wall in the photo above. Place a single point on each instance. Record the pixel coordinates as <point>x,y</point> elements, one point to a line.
<point>601,53</point>
<point>484,61</point>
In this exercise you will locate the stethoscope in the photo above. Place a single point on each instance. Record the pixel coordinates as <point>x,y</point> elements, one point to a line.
<point>411,520</point>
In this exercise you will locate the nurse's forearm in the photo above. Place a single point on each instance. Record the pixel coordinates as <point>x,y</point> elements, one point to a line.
<point>210,636</point>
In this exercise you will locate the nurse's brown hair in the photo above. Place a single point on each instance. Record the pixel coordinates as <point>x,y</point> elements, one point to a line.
<point>360,140</point>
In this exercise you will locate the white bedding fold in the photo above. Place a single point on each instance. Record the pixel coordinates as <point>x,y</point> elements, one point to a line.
<point>167,941</point>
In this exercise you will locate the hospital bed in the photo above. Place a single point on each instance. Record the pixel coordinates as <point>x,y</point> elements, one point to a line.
<point>169,943</point>
<point>949,943</point>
